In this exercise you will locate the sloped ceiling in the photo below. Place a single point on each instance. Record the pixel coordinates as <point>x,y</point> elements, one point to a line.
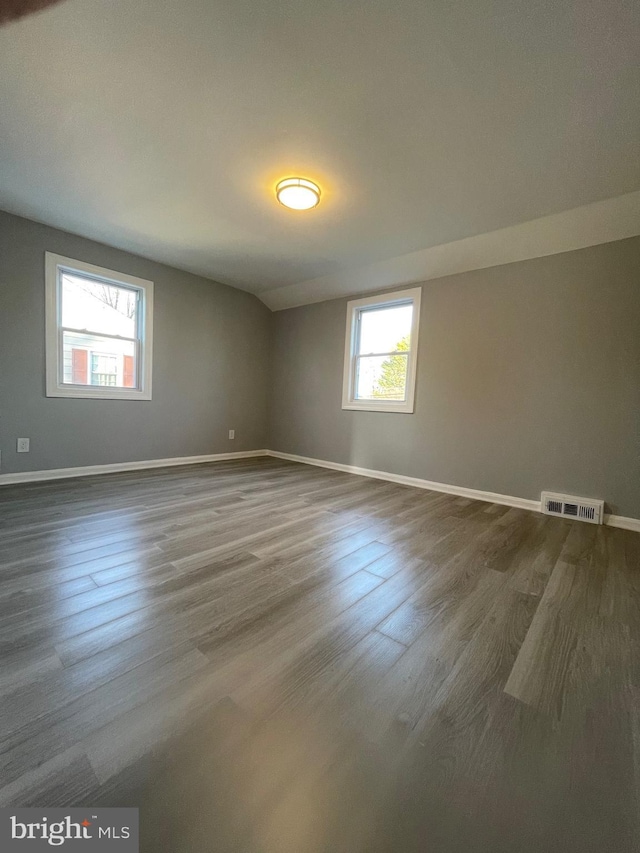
<point>161,127</point>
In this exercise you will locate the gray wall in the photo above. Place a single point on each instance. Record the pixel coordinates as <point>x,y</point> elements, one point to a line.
<point>528,379</point>
<point>210,364</point>
<point>528,375</point>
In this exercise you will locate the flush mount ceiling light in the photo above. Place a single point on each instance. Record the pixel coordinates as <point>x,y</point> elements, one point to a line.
<point>298,193</point>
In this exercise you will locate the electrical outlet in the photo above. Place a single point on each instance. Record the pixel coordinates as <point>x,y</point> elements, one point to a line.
<point>232,433</point>
<point>23,445</point>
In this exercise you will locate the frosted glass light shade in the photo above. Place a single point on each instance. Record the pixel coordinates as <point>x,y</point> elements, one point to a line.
<point>298,193</point>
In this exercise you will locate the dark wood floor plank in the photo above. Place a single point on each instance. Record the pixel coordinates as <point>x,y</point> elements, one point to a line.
<point>60,782</point>
<point>571,597</point>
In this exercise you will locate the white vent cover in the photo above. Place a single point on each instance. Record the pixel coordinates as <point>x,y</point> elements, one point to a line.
<point>569,506</point>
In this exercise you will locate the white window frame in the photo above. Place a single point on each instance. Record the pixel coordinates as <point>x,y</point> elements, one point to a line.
<point>55,387</point>
<point>354,310</point>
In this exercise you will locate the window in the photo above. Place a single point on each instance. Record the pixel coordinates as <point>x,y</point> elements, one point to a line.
<point>104,369</point>
<point>99,332</point>
<point>380,352</point>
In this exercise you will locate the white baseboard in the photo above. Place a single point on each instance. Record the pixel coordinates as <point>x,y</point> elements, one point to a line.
<point>460,491</point>
<point>418,483</point>
<point>92,470</point>
<point>623,522</point>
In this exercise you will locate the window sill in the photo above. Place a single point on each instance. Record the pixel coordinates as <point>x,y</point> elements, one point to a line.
<point>368,406</point>
<point>98,394</point>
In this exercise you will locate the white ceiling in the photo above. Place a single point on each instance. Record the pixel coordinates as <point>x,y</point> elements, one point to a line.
<point>161,127</point>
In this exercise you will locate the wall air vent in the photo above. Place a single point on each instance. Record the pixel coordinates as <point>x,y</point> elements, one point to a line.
<point>569,506</point>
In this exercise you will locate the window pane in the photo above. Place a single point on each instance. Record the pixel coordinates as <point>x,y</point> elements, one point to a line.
<point>93,360</point>
<point>385,329</point>
<point>106,308</point>
<point>381,377</point>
